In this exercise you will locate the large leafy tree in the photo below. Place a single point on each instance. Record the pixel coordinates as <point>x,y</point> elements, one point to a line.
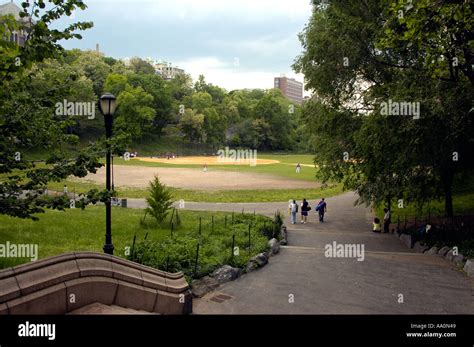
<point>28,120</point>
<point>162,101</point>
<point>192,125</point>
<point>93,66</point>
<point>136,113</point>
<point>354,61</point>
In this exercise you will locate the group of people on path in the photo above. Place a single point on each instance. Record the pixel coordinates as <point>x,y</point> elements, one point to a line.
<point>304,208</point>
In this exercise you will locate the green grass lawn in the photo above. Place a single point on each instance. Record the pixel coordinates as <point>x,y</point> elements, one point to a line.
<point>269,195</point>
<point>58,232</point>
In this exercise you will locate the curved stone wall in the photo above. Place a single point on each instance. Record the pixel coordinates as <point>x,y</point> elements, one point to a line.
<point>63,283</point>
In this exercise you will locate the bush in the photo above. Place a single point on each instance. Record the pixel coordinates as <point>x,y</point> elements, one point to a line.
<point>273,230</point>
<point>159,201</point>
<point>178,252</point>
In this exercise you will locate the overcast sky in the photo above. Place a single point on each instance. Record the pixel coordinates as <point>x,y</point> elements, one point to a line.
<point>234,43</point>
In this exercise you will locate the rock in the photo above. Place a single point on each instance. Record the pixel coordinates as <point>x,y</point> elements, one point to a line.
<point>469,267</point>
<point>251,265</point>
<point>442,252</point>
<point>450,256</point>
<point>432,250</point>
<point>283,242</point>
<point>406,239</point>
<point>274,245</point>
<point>258,261</point>
<point>284,235</point>
<point>458,260</point>
<point>203,286</point>
<point>261,259</point>
<point>419,247</point>
<point>226,273</point>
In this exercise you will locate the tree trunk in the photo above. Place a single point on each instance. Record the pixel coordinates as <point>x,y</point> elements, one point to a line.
<point>389,203</point>
<point>448,195</point>
<point>448,201</point>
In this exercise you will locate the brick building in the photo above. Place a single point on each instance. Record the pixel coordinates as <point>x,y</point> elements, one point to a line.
<point>290,88</point>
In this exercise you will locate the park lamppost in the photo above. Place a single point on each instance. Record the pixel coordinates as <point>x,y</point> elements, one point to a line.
<point>107,106</point>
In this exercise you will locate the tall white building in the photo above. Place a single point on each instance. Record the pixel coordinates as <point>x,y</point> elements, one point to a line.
<point>166,69</point>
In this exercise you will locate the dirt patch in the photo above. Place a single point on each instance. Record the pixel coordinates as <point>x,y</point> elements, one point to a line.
<point>195,179</point>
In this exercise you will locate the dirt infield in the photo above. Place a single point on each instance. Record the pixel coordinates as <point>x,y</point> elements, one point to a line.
<point>214,160</point>
<point>196,179</point>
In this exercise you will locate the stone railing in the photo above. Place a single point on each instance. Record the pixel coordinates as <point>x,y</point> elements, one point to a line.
<point>64,283</point>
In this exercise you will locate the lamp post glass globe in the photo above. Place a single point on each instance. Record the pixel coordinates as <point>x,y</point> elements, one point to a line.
<point>107,104</point>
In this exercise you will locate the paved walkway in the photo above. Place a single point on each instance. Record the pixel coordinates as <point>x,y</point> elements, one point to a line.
<point>302,280</point>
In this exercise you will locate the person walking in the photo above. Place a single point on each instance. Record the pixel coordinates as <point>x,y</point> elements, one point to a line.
<point>321,209</point>
<point>386,220</point>
<point>304,211</point>
<point>293,211</point>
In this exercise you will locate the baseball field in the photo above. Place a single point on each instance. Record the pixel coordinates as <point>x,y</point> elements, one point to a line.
<point>269,177</point>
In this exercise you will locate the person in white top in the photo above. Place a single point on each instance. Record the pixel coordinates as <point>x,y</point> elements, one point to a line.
<point>293,207</point>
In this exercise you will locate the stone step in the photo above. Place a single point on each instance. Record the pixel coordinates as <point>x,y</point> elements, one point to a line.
<point>98,308</point>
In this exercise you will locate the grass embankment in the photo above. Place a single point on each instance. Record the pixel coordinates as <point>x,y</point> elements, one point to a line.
<point>463,203</point>
<point>452,232</point>
<point>58,232</point>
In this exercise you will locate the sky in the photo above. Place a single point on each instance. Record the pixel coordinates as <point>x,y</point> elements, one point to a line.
<point>235,44</point>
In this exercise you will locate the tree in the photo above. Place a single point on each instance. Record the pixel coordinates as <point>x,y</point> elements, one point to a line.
<point>214,126</point>
<point>141,66</point>
<point>92,65</point>
<point>192,125</point>
<point>135,113</point>
<point>159,201</point>
<point>217,94</point>
<point>180,86</point>
<point>162,102</point>
<point>201,101</point>
<point>53,81</point>
<point>354,68</point>
<point>276,120</point>
<point>27,121</point>
<point>443,44</point>
<point>115,84</point>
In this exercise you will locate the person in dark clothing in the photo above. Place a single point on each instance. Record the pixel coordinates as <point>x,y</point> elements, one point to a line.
<point>304,211</point>
<point>321,208</point>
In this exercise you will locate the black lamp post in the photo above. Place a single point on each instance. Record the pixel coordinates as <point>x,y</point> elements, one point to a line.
<point>107,106</point>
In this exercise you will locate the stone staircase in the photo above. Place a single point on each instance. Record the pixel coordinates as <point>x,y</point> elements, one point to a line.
<point>91,283</point>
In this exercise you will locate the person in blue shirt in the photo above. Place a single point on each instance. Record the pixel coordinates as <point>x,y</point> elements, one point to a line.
<point>321,209</point>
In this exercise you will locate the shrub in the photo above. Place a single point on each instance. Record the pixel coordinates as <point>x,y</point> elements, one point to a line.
<point>178,252</point>
<point>159,201</point>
